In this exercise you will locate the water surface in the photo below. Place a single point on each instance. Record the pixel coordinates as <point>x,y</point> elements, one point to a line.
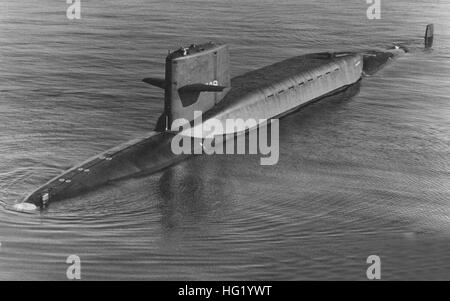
<point>357,176</point>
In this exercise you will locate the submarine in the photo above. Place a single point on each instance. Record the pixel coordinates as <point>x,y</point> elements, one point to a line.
<point>197,78</point>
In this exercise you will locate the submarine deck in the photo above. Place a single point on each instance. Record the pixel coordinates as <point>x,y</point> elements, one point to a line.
<point>278,72</point>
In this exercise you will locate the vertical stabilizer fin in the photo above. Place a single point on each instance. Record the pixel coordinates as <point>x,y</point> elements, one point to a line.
<point>429,36</point>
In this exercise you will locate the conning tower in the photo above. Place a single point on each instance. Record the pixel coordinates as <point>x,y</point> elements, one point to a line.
<point>196,79</point>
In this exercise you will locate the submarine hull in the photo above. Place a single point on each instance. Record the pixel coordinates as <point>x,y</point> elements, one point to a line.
<point>278,89</point>
<point>269,92</point>
<point>143,155</point>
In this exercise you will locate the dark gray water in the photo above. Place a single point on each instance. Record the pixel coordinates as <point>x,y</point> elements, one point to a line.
<point>357,176</point>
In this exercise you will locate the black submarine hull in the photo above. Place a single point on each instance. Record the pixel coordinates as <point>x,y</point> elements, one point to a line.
<point>266,93</point>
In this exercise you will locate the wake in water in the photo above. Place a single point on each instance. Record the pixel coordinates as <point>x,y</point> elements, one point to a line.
<point>21,207</point>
